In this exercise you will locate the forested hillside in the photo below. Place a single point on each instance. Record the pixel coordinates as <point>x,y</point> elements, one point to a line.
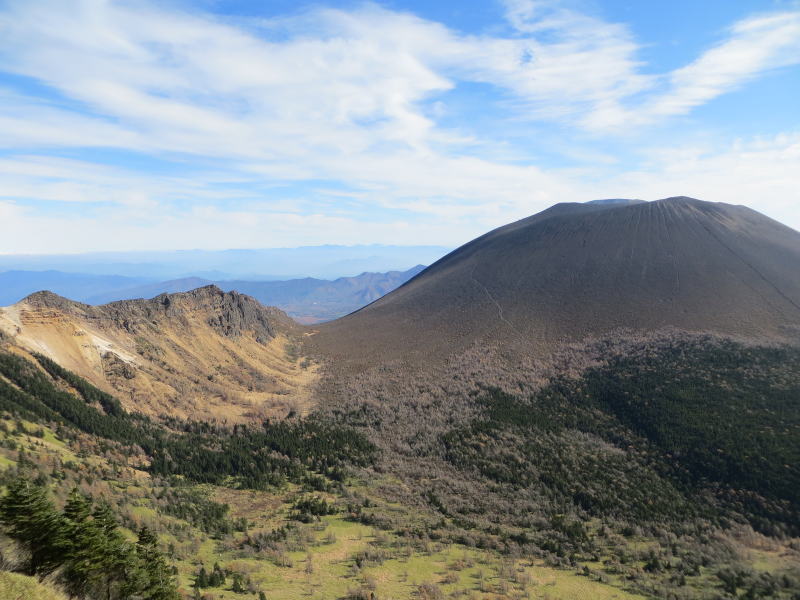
<point>568,479</point>
<point>691,439</point>
<point>706,428</point>
<point>281,511</point>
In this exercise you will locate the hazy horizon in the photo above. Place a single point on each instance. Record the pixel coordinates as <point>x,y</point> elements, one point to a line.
<point>258,264</point>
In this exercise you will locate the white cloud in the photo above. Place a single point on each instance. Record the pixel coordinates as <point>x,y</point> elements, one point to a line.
<point>755,46</point>
<point>582,65</point>
<point>337,81</point>
<point>74,181</point>
<point>761,173</point>
<point>355,97</point>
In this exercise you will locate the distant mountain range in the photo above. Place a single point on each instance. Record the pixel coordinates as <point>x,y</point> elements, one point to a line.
<point>15,284</point>
<point>323,262</point>
<point>308,300</point>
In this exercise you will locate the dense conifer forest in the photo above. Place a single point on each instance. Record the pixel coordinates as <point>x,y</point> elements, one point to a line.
<point>251,457</point>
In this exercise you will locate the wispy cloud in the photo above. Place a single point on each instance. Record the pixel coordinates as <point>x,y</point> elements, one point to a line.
<point>759,172</point>
<point>354,99</point>
<point>754,47</point>
<point>152,78</point>
<point>567,65</point>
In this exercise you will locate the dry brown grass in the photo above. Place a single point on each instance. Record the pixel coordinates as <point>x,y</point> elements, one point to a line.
<point>21,587</point>
<point>179,363</point>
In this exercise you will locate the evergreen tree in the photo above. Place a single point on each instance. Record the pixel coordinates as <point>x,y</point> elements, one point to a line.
<point>158,582</point>
<point>86,548</point>
<point>120,567</point>
<point>94,558</point>
<point>78,507</point>
<point>201,581</point>
<point>117,558</point>
<point>31,520</point>
<point>104,517</point>
<point>237,584</point>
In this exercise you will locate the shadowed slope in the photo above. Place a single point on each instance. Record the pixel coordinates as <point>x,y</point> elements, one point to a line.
<point>576,270</point>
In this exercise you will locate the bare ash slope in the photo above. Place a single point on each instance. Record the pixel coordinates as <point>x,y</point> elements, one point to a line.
<point>199,354</point>
<point>579,270</point>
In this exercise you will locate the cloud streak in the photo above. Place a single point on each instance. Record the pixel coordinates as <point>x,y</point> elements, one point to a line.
<point>755,46</point>
<point>356,102</point>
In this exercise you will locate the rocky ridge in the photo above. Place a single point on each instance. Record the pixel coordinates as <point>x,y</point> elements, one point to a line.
<point>209,353</point>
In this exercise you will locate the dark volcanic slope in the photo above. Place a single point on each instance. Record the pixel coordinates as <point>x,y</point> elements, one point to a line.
<point>575,270</point>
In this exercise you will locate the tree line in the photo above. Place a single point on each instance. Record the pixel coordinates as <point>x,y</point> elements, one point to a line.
<point>242,456</point>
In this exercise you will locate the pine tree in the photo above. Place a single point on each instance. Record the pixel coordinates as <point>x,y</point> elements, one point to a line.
<point>201,581</point>
<point>105,518</point>
<point>95,559</point>
<point>86,551</point>
<point>78,507</point>
<point>97,555</point>
<point>237,584</point>
<point>31,519</point>
<point>158,582</point>
<point>118,558</point>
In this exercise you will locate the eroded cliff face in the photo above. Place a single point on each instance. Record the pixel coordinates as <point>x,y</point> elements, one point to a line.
<point>204,354</point>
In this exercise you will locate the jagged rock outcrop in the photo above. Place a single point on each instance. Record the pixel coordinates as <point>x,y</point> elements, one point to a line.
<point>199,354</point>
<point>232,314</point>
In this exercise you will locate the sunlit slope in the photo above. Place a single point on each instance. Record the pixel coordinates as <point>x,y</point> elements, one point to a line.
<point>18,587</point>
<point>200,354</point>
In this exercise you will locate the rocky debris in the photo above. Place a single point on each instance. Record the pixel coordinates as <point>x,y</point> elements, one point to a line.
<point>114,366</point>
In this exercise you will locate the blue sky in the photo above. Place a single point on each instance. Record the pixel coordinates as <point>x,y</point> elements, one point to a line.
<point>233,124</point>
